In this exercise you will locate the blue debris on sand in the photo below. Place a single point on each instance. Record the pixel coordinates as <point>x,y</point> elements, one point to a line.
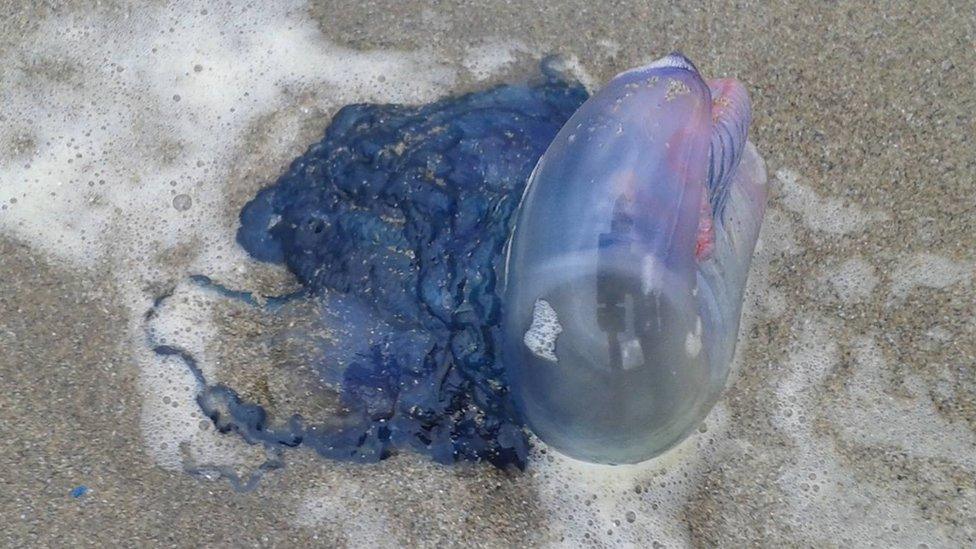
<point>405,211</point>
<point>79,491</point>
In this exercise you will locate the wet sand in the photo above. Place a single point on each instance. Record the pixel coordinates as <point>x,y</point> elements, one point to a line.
<point>851,415</point>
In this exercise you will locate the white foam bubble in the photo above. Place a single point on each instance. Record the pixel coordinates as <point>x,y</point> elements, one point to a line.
<point>826,499</point>
<point>335,504</point>
<point>623,506</point>
<point>928,270</point>
<point>873,413</point>
<point>489,58</point>
<point>853,281</point>
<point>541,336</point>
<point>775,240</point>
<point>823,214</point>
<point>115,147</point>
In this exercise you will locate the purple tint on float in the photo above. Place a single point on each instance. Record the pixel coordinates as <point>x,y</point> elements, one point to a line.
<point>628,261</point>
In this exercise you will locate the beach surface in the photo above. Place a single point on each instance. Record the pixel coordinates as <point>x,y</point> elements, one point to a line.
<point>132,134</point>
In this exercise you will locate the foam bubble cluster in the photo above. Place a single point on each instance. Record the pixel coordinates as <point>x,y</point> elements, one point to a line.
<point>541,336</point>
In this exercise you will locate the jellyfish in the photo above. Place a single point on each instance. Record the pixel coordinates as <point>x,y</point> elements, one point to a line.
<point>627,264</point>
<point>522,256</point>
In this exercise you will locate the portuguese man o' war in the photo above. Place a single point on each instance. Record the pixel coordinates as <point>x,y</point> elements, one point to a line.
<point>395,225</point>
<point>628,263</point>
<point>624,274</point>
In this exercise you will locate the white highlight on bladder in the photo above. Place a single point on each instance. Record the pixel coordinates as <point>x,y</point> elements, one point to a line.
<point>693,341</point>
<point>541,336</point>
<point>652,275</point>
